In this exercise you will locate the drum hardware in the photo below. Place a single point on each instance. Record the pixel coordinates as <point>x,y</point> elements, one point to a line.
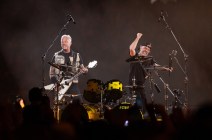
<point>136,59</point>
<point>156,68</point>
<point>186,80</point>
<point>134,96</point>
<point>174,53</point>
<point>56,102</point>
<point>101,115</point>
<point>133,86</point>
<point>133,89</point>
<point>166,88</point>
<point>153,85</point>
<point>93,111</point>
<point>56,108</point>
<point>178,93</point>
<point>113,90</point>
<point>93,91</point>
<point>62,67</point>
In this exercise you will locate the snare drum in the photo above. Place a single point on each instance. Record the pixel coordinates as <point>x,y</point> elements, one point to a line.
<point>113,90</point>
<point>92,93</point>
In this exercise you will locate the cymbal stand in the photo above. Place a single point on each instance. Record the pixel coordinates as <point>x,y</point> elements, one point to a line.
<point>185,81</point>
<point>162,17</point>
<point>133,91</point>
<point>56,108</point>
<point>166,88</point>
<point>151,88</point>
<point>153,84</point>
<point>101,103</point>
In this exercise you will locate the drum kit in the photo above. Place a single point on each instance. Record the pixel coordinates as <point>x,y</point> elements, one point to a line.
<point>106,96</point>
<point>111,90</point>
<point>112,94</point>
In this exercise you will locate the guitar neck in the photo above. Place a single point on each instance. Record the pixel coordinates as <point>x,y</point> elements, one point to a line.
<point>76,75</point>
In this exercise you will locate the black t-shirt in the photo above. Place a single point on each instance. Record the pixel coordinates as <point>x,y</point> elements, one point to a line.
<point>138,65</point>
<point>67,57</point>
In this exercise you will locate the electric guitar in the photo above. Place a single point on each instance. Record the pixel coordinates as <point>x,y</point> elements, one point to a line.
<point>66,83</point>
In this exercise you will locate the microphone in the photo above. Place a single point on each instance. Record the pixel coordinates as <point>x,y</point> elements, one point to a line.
<point>71,18</point>
<point>162,16</point>
<point>174,52</point>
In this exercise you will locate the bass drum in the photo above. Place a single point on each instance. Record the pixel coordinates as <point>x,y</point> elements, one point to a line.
<point>93,111</point>
<point>113,90</point>
<point>92,93</point>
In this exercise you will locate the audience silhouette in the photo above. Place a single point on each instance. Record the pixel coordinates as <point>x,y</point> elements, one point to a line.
<point>36,121</point>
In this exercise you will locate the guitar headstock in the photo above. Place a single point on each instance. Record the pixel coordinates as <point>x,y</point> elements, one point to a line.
<point>92,64</point>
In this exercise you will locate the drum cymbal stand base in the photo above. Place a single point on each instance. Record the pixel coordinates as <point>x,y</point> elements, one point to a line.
<point>56,108</point>
<point>101,115</point>
<point>166,88</point>
<point>57,112</point>
<point>133,96</point>
<point>151,88</point>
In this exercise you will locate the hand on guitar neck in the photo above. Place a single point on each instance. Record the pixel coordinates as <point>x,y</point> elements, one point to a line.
<point>84,69</point>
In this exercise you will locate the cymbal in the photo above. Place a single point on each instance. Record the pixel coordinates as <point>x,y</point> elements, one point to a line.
<point>55,65</point>
<point>61,67</point>
<point>155,68</point>
<point>72,95</point>
<point>134,86</point>
<point>135,59</point>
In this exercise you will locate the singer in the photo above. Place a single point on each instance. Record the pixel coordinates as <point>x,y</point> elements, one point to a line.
<point>140,62</point>
<point>68,64</point>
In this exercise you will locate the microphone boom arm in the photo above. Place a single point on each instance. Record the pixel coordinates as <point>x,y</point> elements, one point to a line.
<point>44,55</point>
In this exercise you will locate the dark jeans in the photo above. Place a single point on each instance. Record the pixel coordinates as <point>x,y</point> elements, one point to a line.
<point>141,100</point>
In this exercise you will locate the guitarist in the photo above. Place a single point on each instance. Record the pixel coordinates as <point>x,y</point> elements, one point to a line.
<point>72,64</point>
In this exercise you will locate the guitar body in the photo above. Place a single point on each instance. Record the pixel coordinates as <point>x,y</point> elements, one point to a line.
<point>65,85</point>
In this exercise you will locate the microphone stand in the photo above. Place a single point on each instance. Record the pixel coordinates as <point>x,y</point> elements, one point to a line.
<point>186,80</point>
<point>56,109</point>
